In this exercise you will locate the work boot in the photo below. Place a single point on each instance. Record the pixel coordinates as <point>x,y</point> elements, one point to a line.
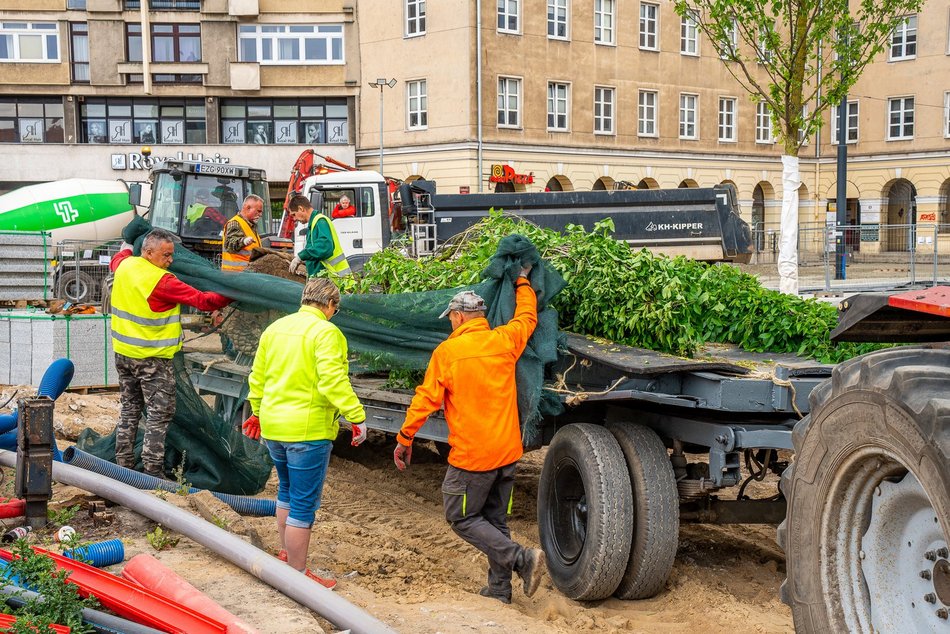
<point>486,591</point>
<point>329,584</point>
<point>531,569</point>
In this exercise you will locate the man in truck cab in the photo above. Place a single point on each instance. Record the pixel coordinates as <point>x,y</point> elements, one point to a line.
<point>323,249</point>
<point>240,235</point>
<point>146,334</point>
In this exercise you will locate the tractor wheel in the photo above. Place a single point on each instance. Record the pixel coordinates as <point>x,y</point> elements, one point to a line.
<point>866,534</point>
<point>585,515</point>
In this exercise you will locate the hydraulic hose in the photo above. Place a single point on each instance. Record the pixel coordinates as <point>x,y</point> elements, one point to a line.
<point>100,621</point>
<point>268,569</point>
<point>242,505</point>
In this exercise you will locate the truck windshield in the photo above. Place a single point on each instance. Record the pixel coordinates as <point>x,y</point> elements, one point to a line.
<point>197,206</point>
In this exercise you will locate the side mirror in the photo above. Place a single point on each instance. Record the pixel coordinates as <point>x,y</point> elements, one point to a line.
<point>316,199</point>
<point>140,194</point>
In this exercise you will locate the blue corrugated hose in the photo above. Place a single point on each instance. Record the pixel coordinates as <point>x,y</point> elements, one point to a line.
<point>100,554</point>
<point>243,505</point>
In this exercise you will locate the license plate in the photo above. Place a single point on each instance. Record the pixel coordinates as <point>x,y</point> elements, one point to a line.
<point>216,169</point>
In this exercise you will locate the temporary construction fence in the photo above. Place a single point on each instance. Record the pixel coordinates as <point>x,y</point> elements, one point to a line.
<point>875,256</point>
<point>24,266</point>
<point>31,340</point>
<point>80,269</point>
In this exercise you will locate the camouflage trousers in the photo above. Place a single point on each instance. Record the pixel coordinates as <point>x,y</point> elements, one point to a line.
<point>147,384</point>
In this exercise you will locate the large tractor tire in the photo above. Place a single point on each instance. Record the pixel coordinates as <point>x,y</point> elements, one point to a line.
<point>585,513</point>
<point>656,513</point>
<point>866,534</point>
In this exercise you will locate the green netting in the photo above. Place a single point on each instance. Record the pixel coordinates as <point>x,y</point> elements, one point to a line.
<point>397,331</point>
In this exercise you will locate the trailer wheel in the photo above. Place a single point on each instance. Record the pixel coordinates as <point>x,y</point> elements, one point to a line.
<point>656,516</point>
<point>585,512</point>
<point>77,287</point>
<point>866,534</point>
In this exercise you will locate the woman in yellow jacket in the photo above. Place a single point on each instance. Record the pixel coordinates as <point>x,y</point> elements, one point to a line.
<point>299,386</point>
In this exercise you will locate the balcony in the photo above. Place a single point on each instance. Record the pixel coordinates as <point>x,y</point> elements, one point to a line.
<point>165,5</point>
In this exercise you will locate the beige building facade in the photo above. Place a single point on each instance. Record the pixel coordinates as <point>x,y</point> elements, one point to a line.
<point>249,82</point>
<point>589,94</point>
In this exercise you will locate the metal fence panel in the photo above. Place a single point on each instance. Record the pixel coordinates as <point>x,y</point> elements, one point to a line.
<point>24,266</point>
<point>81,268</point>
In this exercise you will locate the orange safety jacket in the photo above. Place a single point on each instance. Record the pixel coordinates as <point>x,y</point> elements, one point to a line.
<point>239,261</point>
<point>473,374</point>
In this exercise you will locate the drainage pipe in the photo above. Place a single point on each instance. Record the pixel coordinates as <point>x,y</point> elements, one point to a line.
<point>270,570</point>
<point>242,505</point>
<point>101,622</point>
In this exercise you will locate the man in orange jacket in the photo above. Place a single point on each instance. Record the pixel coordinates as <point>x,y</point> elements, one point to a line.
<point>473,374</point>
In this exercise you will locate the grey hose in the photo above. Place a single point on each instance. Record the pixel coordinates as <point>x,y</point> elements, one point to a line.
<point>101,622</point>
<point>268,569</point>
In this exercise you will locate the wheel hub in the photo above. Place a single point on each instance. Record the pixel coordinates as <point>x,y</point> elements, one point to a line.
<point>903,558</point>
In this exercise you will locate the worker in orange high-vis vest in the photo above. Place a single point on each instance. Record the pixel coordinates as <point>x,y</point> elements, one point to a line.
<point>472,375</point>
<point>240,235</point>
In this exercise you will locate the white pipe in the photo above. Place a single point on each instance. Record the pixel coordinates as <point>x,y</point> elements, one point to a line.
<point>478,86</point>
<point>270,570</point>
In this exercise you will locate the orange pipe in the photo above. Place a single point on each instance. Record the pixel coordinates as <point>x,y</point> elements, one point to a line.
<point>153,575</point>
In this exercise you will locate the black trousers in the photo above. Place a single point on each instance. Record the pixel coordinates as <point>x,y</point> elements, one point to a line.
<point>477,504</point>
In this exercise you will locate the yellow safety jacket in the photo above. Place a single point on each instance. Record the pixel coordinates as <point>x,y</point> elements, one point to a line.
<point>138,331</point>
<point>336,263</point>
<point>299,383</point>
<point>239,261</point>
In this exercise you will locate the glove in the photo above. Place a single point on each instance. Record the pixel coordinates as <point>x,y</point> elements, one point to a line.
<point>401,456</point>
<point>294,264</point>
<point>252,427</point>
<point>359,433</point>
<point>525,270</point>
<point>248,240</point>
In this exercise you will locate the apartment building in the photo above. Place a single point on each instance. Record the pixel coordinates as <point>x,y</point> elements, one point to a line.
<point>84,84</point>
<point>584,94</point>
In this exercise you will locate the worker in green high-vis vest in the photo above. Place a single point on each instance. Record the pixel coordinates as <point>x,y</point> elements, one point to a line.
<point>323,249</point>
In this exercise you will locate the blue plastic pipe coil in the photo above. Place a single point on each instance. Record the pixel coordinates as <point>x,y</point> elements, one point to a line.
<point>241,504</point>
<point>100,554</point>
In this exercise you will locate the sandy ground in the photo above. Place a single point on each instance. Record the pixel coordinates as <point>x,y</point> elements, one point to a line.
<point>382,535</point>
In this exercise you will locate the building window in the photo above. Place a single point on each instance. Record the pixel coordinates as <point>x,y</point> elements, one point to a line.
<point>765,54</point>
<point>508,15</point>
<point>852,131</point>
<point>604,21</point>
<point>557,107</point>
<point>294,44</point>
<point>689,34</point>
<point>730,45</point>
<point>649,26</point>
<point>133,120</point>
<point>901,118</point>
<point>763,123</point>
<point>171,43</point>
<point>646,113</point>
<point>557,19</point>
<point>29,42</point>
<point>904,39</point>
<point>603,110</point>
<point>509,102</point>
<point>79,38</point>
<point>166,5</point>
<point>76,4</point>
<point>689,115</point>
<point>281,121</point>
<point>417,105</point>
<point>31,120</point>
<point>727,119</point>
<point>415,17</point>
<point>946,115</point>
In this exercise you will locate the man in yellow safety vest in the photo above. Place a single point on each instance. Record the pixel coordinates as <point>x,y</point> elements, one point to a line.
<point>323,250</point>
<point>146,334</point>
<point>240,235</point>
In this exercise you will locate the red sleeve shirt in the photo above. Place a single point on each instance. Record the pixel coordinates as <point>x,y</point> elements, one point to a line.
<point>171,291</point>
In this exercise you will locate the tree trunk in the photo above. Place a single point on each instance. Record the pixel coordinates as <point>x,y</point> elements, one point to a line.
<point>788,244</point>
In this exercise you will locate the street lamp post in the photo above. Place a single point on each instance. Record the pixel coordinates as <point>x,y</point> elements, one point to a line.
<point>381,83</point>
